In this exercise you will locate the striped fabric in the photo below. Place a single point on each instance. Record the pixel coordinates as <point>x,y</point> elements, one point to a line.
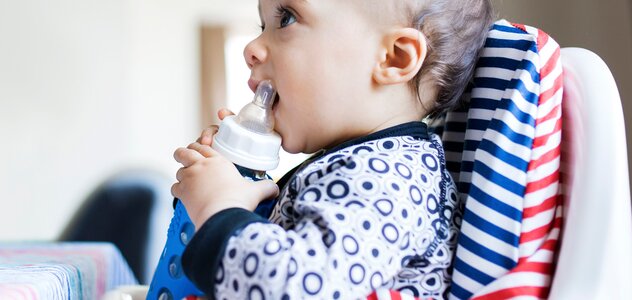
<point>504,153</point>
<point>45,270</point>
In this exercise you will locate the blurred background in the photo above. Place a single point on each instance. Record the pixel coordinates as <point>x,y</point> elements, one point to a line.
<point>91,88</point>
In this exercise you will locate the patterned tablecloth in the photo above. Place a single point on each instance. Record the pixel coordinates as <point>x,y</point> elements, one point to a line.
<point>68,270</point>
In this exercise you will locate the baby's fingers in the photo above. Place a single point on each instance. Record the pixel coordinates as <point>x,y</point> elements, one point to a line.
<point>187,157</point>
<point>205,150</point>
<point>223,113</point>
<point>206,138</point>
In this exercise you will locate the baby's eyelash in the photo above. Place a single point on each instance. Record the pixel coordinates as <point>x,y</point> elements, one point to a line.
<point>281,10</point>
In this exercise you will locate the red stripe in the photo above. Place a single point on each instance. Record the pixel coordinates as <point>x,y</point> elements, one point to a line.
<point>543,39</point>
<point>558,84</point>
<point>519,26</point>
<point>545,158</point>
<point>372,296</point>
<point>395,295</point>
<point>541,232</point>
<point>542,183</point>
<point>547,204</point>
<point>551,63</point>
<point>553,114</point>
<point>536,291</point>
<point>536,234</point>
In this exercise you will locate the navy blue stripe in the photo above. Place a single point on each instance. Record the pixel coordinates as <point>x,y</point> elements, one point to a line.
<point>478,124</point>
<point>484,103</point>
<point>455,126</point>
<point>491,83</point>
<point>523,117</point>
<point>467,166</point>
<point>486,253</point>
<point>499,179</point>
<point>489,227</point>
<point>498,62</point>
<point>471,145</point>
<point>495,204</point>
<point>526,94</point>
<point>511,29</point>
<point>499,153</point>
<point>463,187</point>
<point>523,45</point>
<point>453,146</point>
<point>473,273</point>
<point>513,136</point>
<point>459,292</point>
<point>453,167</point>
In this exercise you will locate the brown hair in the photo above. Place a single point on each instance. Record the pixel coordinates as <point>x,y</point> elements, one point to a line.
<point>455,31</point>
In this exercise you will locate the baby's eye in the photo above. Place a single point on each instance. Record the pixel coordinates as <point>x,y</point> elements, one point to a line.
<point>286,17</point>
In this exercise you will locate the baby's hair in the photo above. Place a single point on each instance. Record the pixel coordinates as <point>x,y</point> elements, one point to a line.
<point>455,31</point>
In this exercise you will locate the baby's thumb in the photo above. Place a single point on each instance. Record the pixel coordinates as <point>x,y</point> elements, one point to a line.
<point>266,189</point>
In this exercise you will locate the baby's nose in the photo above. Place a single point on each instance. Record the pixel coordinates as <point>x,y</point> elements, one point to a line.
<point>255,53</point>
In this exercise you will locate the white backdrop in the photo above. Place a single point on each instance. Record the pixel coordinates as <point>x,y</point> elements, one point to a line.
<point>89,88</point>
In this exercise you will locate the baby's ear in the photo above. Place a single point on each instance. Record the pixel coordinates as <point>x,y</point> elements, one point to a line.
<point>402,55</point>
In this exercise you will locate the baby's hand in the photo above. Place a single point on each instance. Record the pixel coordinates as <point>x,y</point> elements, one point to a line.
<point>209,183</point>
<point>206,138</point>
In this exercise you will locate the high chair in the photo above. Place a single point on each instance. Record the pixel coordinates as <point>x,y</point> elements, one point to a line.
<point>540,156</point>
<point>595,259</point>
<point>530,165</point>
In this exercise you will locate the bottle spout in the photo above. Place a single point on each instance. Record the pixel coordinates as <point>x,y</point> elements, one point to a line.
<point>257,115</point>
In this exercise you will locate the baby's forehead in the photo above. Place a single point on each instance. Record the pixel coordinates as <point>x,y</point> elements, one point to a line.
<point>391,10</point>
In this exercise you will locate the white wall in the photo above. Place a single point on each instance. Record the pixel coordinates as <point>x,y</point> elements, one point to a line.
<point>89,88</point>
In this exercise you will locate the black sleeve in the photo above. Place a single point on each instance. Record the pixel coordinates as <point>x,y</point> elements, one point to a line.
<point>206,249</point>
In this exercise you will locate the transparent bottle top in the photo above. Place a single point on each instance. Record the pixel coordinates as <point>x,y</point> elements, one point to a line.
<point>257,115</point>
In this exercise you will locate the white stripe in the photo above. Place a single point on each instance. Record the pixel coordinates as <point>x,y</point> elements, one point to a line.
<point>508,145</point>
<point>494,72</point>
<point>542,256</point>
<point>487,93</point>
<point>383,294</point>
<point>510,53</point>
<point>497,34</point>
<point>515,280</point>
<point>543,170</point>
<point>538,197</point>
<point>548,82</point>
<point>502,167</point>
<point>465,282</point>
<point>453,136</point>
<point>539,220</point>
<point>492,215</point>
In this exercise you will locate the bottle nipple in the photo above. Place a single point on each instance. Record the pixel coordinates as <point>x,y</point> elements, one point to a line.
<point>257,115</point>
<point>248,139</point>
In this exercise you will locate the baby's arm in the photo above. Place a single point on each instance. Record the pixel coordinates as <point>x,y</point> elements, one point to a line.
<point>343,245</point>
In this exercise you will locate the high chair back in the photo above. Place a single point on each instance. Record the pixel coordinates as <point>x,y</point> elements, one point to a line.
<point>595,259</point>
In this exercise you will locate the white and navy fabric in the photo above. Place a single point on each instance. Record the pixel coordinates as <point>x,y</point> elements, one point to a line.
<point>375,212</point>
<point>503,149</point>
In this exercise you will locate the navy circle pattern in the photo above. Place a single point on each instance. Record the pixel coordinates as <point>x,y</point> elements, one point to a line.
<point>373,215</point>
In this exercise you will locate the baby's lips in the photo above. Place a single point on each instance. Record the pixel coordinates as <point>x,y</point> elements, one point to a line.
<point>252,83</point>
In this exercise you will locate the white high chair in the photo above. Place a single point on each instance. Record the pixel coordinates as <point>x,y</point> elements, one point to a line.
<point>595,259</point>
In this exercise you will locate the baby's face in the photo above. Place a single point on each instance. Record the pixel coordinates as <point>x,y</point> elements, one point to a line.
<point>319,54</point>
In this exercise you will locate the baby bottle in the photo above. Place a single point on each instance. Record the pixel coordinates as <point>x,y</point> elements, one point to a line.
<point>249,141</point>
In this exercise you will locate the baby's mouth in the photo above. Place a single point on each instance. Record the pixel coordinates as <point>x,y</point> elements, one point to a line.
<point>276,101</point>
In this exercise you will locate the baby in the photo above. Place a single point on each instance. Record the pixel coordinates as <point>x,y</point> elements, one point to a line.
<point>375,206</point>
